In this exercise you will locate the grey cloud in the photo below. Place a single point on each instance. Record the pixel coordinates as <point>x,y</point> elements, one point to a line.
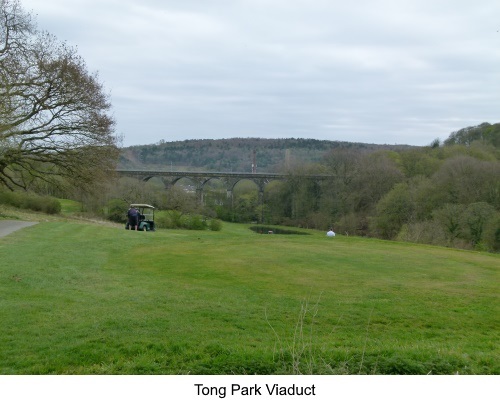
<point>371,71</point>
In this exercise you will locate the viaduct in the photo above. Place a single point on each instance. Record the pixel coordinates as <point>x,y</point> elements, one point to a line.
<point>229,179</point>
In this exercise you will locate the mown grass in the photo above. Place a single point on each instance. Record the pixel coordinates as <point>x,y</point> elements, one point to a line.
<point>86,299</point>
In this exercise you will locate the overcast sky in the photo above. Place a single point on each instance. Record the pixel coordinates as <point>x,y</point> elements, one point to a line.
<point>374,71</point>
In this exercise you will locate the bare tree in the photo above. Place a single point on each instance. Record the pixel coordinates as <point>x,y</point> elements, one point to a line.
<point>15,27</point>
<point>54,115</point>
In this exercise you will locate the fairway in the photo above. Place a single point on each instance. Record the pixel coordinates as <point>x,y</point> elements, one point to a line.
<point>91,299</point>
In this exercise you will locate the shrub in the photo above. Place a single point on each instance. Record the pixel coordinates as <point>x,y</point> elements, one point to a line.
<point>196,222</point>
<point>169,219</point>
<point>429,232</point>
<point>215,224</point>
<point>177,220</point>
<point>10,198</point>
<point>50,205</point>
<point>352,224</point>
<point>31,202</point>
<point>117,210</point>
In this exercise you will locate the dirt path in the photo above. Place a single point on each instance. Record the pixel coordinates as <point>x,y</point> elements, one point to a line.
<point>10,226</point>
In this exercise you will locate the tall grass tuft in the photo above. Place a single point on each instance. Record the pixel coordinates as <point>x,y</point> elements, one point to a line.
<point>297,353</point>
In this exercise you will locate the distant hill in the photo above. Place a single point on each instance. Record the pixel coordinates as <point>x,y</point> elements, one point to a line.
<point>235,154</point>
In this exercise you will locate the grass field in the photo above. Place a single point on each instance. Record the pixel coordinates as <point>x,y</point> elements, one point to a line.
<point>82,298</point>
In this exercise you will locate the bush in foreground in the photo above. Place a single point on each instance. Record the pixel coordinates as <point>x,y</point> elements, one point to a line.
<point>177,220</point>
<point>29,201</point>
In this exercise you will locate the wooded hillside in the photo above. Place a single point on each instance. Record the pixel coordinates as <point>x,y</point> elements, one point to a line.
<point>236,154</point>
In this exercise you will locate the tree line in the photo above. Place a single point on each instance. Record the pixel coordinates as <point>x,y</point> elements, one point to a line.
<point>445,194</point>
<point>442,194</point>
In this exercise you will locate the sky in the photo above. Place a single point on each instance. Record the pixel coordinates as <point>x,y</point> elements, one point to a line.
<point>371,71</point>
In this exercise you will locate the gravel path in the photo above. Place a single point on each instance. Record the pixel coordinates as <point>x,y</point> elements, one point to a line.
<point>9,226</point>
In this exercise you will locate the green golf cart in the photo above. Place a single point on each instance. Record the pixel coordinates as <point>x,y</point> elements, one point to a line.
<point>146,217</point>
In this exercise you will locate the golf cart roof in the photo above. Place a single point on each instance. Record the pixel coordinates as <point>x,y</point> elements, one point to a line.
<point>142,206</point>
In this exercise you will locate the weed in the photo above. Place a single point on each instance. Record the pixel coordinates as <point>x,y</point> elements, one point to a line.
<point>297,355</point>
